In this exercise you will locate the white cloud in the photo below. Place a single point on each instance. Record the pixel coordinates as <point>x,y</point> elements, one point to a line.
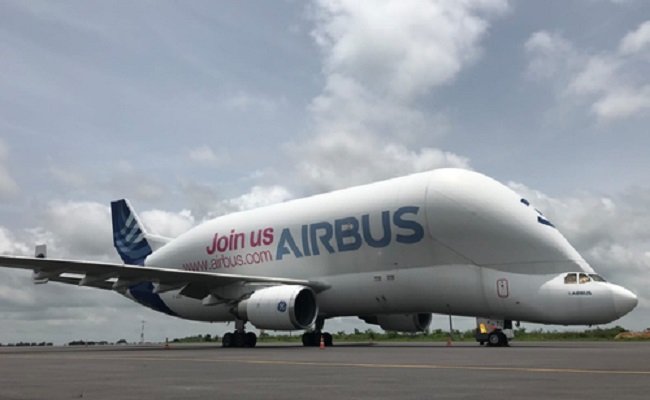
<point>380,60</point>
<point>10,245</point>
<point>614,84</point>
<point>8,186</point>
<point>79,229</point>
<point>401,49</point>
<point>168,224</point>
<point>206,156</point>
<point>260,196</point>
<point>550,51</point>
<point>338,161</point>
<point>206,204</point>
<point>636,41</point>
<point>595,76</point>
<point>623,103</point>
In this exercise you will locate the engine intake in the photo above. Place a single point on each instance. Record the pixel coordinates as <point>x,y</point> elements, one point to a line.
<point>400,322</point>
<point>285,307</point>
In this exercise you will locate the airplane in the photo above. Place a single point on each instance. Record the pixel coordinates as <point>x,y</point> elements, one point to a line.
<point>447,241</point>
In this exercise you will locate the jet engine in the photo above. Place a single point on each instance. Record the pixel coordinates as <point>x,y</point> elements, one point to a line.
<point>285,307</point>
<point>400,322</point>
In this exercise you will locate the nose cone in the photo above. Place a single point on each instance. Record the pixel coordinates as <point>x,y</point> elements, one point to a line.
<point>624,300</point>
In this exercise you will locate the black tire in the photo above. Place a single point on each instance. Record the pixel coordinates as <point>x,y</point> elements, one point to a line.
<point>327,337</point>
<point>227,340</point>
<point>239,339</point>
<point>250,339</point>
<point>307,339</point>
<point>315,339</point>
<point>504,339</point>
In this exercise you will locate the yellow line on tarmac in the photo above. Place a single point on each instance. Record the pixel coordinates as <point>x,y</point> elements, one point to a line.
<point>356,365</point>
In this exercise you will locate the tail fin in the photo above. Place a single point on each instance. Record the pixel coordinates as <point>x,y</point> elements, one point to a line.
<point>129,235</point>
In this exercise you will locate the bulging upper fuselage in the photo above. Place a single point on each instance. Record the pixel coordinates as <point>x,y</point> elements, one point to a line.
<point>445,241</point>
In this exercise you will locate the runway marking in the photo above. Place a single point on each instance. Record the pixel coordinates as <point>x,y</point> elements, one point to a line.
<point>353,365</point>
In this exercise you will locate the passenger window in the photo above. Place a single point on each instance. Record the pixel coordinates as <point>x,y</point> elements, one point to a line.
<point>597,278</point>
<point>584,278</point>
<point>570,278</point>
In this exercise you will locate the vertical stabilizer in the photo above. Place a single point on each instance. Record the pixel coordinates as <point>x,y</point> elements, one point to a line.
<point>129,235</point>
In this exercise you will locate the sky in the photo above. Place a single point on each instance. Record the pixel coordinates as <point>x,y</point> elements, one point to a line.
<point>193,110</point>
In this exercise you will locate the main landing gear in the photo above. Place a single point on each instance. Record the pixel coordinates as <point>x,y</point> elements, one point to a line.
<point>239,338</point>
<point>312,339</point>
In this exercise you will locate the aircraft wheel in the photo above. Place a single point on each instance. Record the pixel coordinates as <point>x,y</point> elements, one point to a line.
<point>504,339</point>
<point>308,339</point>
<point>227,340</point>
<point>327,337</point>
<point>239,339</point>
<point>250,339</point>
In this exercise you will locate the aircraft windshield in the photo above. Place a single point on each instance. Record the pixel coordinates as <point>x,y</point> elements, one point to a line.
<point>580,277</point>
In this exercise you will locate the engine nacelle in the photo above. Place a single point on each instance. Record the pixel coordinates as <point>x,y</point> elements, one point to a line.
<point>400,322</point>
<point>285,307</point>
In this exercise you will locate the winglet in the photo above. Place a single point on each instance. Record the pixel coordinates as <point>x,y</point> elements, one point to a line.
<point>129,235</point>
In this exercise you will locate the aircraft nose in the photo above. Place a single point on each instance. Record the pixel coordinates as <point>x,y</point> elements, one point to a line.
<point>624,300</point>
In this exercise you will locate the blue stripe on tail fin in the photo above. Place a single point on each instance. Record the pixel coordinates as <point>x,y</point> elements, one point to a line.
<point>129,234</point>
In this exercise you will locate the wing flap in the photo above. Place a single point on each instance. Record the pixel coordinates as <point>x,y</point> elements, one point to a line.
<point>71,280</point>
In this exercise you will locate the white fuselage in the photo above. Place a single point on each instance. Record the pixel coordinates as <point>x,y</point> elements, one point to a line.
<point>445,241</point>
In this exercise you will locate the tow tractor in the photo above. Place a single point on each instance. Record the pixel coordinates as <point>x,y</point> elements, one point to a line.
<point>494,332</point>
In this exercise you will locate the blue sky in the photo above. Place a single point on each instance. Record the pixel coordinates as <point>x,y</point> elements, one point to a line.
<point>193,110</point>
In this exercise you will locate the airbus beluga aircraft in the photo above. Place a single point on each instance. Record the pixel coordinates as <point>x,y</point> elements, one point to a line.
<point>448,241</point>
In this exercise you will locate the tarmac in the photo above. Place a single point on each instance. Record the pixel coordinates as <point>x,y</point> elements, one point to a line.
<point>567,370</point>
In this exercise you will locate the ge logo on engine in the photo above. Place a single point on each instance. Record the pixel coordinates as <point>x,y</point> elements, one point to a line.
<point>282,306</point>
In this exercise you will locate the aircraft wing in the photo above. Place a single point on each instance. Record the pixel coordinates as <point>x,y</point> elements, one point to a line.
<point>120,277</point>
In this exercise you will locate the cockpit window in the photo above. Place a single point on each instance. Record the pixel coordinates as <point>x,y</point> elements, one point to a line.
<point>570,278</point>
<point>597,278</point>
<point>584,278</point>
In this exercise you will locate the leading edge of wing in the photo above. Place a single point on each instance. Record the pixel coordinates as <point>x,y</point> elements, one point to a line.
<point>100,271</point>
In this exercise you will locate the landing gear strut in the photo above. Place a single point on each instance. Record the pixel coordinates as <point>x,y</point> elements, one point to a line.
<point>239,338</point>
<point>312,339</point>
